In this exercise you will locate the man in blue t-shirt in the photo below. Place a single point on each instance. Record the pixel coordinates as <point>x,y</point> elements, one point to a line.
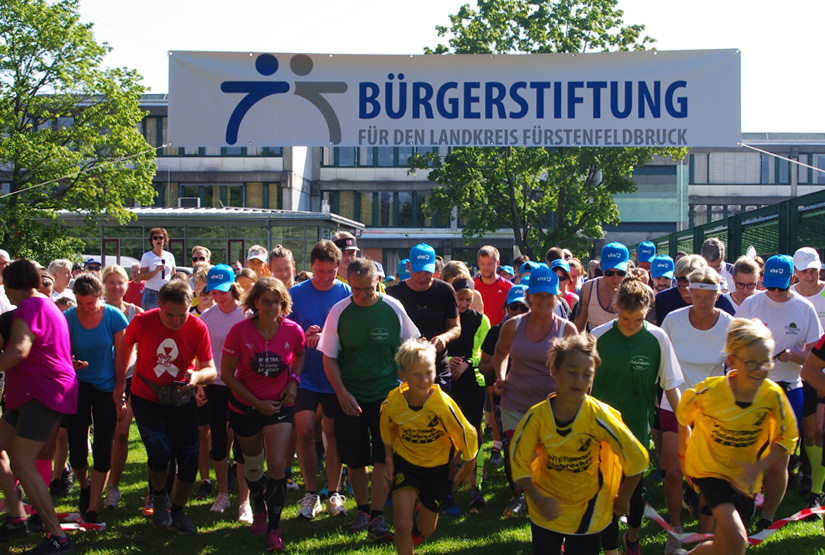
<point>311,302</point>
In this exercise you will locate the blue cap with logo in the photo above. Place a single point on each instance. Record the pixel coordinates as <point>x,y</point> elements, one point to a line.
<point>544,280</point>
<point>662,266</point>
<point>403,273</point>
<point>219,278</point>
<point>646,251</point>
<point>422,258</point>
<point>506,270</point>
<point>614,257</point>
<point>528,266</point>
<point>563,264</point>
<point>516,294</point>
<point>778,271</point>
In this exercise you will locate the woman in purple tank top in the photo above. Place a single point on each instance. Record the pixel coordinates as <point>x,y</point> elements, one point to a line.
<point>526,340</point>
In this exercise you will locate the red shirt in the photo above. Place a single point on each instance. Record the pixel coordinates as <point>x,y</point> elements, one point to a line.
<point>263,365</point>
<point>165,355</point>
<point>134,294</point>
<point>494,296</point>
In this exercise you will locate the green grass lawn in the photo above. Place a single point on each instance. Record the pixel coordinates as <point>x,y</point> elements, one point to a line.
<point>484,533</point>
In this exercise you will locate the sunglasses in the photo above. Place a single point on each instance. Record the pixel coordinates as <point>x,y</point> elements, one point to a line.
<point>518,306</point>
<point>198,259</point>
<point>157,238</point>
<point>611,273</point>
<point>783,289</point>
<point>93,268</point>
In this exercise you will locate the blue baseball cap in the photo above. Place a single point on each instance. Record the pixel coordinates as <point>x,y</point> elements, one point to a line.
<point>506,270</point>
<point>379,268</point>
<point>778,271</point>
<point>614,257</point>
<point>524,280</point>
<point>402,270</point>
<point>544,280</point>
<point>646,251</point>
<point>662,266</point>
<point>90,261</point>
<point>528,266</point>
<point>516,294</point>
<point>422,258</point>
<point>219,278</point>
<point>563,264</point>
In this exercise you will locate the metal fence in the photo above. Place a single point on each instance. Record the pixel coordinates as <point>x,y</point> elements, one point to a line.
<point>777,229</point>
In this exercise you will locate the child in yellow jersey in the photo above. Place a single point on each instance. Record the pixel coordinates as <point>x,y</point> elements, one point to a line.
<point>731,430</point>
<point>569,454</point>
<point>421,428</point>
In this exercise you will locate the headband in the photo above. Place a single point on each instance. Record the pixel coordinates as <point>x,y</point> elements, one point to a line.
<point>463,283</point>
<point>705,286</point>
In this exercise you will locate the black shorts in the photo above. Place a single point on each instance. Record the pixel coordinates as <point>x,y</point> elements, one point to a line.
<point>359,437</point>
<point>309,400</point>
<point>32,420</point>
<point>810,399</point>
<point>431,484</point>
<point>249,424</point>
<point>717,492</point>
<point>203,415</point>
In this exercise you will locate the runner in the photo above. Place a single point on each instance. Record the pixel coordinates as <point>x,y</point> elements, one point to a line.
<point>732,429</point>
<point>492,287</point>
<point>256,260</point>
<point>598,295</point>
<point>115,289</point>
<point>157,267</point>
<point>661,272</point>
<point>745,280</point>
<point>645,253</point>
<point>455,269</point>
<point>162,395</point>
<point>219,319</point>
<point>795,327</point>
<point>311,303</point>
<point>282,265</point>
<point>697,333</point>
<point>359,339</point>
<point>263,358</point>
<point>569,454</point>
<point>96,330</point>
<point>40,386</point>
<point>713,251</point>
<point>636,355</point>
<point>345,241</point>
<point>61,270</point>
<point>421,427</point>
<point>679,296</point>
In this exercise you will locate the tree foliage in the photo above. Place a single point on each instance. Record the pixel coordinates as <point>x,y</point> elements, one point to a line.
<point>547,196</point>
<point>69,137</point>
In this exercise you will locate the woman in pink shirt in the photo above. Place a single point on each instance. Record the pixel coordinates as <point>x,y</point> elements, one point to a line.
<point>41,386</point>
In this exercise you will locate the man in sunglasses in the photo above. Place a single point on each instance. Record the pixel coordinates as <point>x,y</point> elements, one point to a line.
<point>679,296</point>
<point>201,254</point>
<point>795,327</point>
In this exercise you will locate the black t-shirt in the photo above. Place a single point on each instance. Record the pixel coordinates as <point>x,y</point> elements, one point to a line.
<point>669,300</point>
<point>463,346</point>
<point>429,310</point>
<point>5,326</point>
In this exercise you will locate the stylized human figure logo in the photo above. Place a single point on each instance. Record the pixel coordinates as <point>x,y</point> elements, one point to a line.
<point>312,91</point>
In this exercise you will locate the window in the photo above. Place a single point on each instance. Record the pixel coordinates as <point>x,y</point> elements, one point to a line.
<point>818,177</point>
<point>765,169</point>
<point>783,171</point>
<point>345,157</point>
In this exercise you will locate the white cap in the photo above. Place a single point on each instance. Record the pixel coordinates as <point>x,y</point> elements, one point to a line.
<point>805,259</point>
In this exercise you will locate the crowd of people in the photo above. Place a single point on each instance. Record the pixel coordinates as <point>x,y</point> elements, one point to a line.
<point>392,382</point>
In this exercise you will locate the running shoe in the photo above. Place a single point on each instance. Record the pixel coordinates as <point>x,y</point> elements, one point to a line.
<point>245,512</point>
<point>631,548</point>
<point>113,497</point>
<point>495,457</point>
<point>762,524</point>
<point>204,490</point>
<point>814,501</point>
<point>11,531</point>
<point>148,506</point>
<point>57,488</point>
<point>310,506</point>
<point>449,507</point>
<point>517,507</point>
<point>182,525</point>
<point>274,542</point>
<point>674,546</point>
<point>258,524</point>
<point>160,516</point>
<point>335,505</point>
<point>221,503</point>
<point>291,485</point>
<point>377,530</point>
<point>67,478</point>
<point>361,522</point>
<point>476,499</point>
<point>52,544</point>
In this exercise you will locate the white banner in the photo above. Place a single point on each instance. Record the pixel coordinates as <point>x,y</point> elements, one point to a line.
<point>683,98</point>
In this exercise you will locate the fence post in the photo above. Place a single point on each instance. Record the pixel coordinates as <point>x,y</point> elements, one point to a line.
<point>673,244</point>
<point>782,244</point>
<point>793,226</point>
<point>698,239</point>
<point>734,237</point>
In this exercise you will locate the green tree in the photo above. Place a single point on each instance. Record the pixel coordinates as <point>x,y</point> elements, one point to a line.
<point>69,137</point>
<point>547,196</point>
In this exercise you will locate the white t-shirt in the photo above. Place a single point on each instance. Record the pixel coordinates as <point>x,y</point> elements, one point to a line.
<point>818,300</point>
<point>219,324</point>
<point>5,303</point>
<point>68,293</point>
<point>733,303</point>
<point>794,324</point>
<point>699,352</point>
<point>151,261</point>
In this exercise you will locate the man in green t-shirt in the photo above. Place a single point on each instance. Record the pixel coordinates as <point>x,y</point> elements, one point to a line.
<point>359,340</point>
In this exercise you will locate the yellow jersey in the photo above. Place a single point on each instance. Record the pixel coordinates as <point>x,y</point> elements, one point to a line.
<point>426,437</point>
<point>726,434</point>
<point>580,465</point>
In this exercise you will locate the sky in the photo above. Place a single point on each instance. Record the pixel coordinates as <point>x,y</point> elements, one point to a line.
<point>782,81</point>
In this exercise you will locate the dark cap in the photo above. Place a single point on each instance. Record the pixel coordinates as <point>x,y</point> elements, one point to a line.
<point>346,244</point>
